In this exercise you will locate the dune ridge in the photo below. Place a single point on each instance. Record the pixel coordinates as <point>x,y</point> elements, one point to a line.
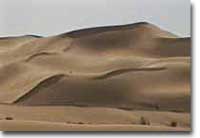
<point>98,30</point>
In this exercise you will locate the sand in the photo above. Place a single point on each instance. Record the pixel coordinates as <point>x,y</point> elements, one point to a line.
<point>121,78</point>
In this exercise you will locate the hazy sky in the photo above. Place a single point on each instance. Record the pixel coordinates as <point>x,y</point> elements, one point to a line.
<point>50,17</point>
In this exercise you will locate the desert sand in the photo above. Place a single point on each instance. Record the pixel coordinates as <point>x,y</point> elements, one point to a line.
<point>118,78</point>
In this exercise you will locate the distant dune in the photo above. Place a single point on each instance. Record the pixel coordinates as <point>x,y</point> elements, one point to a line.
<point>130,67</point>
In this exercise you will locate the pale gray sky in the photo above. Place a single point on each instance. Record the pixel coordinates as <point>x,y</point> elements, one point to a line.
<point>50,17</point>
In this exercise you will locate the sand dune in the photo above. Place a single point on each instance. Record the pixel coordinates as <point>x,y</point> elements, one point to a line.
<point>130,67</point>
<point>122,88</point>
<point>110,80</point>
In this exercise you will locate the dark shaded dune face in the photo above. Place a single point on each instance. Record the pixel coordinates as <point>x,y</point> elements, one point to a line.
<point>172,47</point>
<point>137,39</point>
<point>125,44</point>
<point>106,42</point>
